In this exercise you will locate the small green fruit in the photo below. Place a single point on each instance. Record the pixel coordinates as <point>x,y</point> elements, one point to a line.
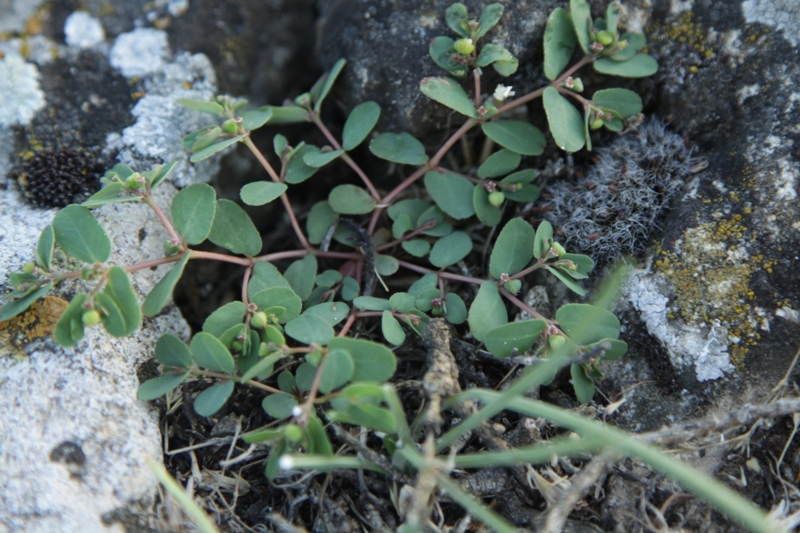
<point>605,37</point>
<point>29,267</point>
<point>496,198</point>
<point>237,345</point>
<point>133,183</point>
<point>90,317</point>
<point>556,341</point>
<point>558,248</point>
<point>464,46</point>
<point>577,85</point>
<point>170,249</point>
<point>263,349</point>
<point>596,124</point>
<point>259,320</point>
<point>293,433</point>
<point>513,286</point>
<point>230,126</point>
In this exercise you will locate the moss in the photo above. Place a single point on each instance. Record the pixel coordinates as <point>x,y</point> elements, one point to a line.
<point>711,273</point>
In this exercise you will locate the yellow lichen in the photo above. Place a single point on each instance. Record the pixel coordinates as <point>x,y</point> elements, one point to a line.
<point>35,323</point>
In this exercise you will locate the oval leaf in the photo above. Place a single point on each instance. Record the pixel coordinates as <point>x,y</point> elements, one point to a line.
<point>544,236</point>
<point>261,192</point>
<point>171,351</point>
<point>499,163</point>
<point>193,210</point>
<point>308,328</point>
<point>281,297</point>
<point>233,229</point>
<point>487,213</point>
<point>213,398</point>
<point>559,42</point>
<point>451,249</point>
<point>338,370</point>
<point>210,353</point>
<point>399,148</point>
<point>155,388</point>
<point>216,148</point>
<point>583,384</point>
<point>448,92</point>
<point>359,123</point>
<point>456,310</point>
<point>351,200</point>
<point>125,314</point>
<point>336,69</point>
<point>320,159</point>
<point>392,330</point>
<point>372,361</point>
<point>279,406</point>
<point>513,249</point>
<point>451,192</point>
<point>586,324</point>
<point>301,276</point>
<point>80,235</point>
<point>15,307</point>
<point>516,135</point>
<point>158,297</point>
<point>626,103</point>
<point>44,247</point>
<point>565,121</point>
<point>581,15</point>
<point>487,311</point>
<point>224,318</point>
<point>638,66</point>
<point>69,328</point>
<point>514,338</point>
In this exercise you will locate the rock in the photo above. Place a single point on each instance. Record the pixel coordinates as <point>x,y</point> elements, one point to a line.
<point>386,45</point>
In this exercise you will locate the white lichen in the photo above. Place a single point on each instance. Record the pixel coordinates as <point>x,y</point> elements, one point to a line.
<point>140,52</point>
<point>779,14</point>
<point>19,85</point>
<point>82,30</point>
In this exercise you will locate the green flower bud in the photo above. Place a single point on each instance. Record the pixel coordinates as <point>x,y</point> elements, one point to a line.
<point>605,37</point>
<point>237,345</point>
<point>230,126</point>
<point>464,46</point>
<point>496,198</point>
<point>558,248</point>
<point>170,248</point>
<point>577,85</point>
<point>263,349</point>
<point>133,183</point>
<point>29,267</point>
<point>596,124</point>
<point>303,100</point>
<point>513,286</point>
<point>556,341</point>
<point>259,320</point>
<point>90,317</point>
<point>293,433</point>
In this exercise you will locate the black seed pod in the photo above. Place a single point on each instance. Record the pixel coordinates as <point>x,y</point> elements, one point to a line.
<point>59,178</point>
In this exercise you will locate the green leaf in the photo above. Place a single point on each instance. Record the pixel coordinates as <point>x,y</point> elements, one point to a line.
<point>372,303</point>
<point>69,328</point>
<point>528,192</point>
<point>451,249</point>
<point>264,368</point>
<point>360,122</point>
<point>401,225</point>
<point>15,307</point>
<point>159,173</point>
<point>516,135</point>
<point>282,297</point>
<point>513,249</point>
<point>426,282</point>
<point>456,311</point>
<point>449,93</point>
<point>255,118</point>
<point>210,353</point>
<point>402,302</point>
<point>373,361</point>
<point>320,159</point>
<point>351,200</point>
<point>583,384</point>
<point>297,171</point>
<point>582,21</point>
<point>441,228</point>
<point>110,194</point>
<point>369,416</point>
<point>350,288</point>
<point>636,42</point>
<point>413,208</point>
<point>424,300</point>
<point>124,315</point>
<point>499,163</point>
<point>224,318</point>
<point>279,144</point>
<point>489,18</point>
<point>639,66</point>
<point>612,18</point>
<point>386,265</point>
<point>416,247</point>
<point>487,311</point>
<point>516,337</point>
<point>171,351</point>
<point>308,328</point>
<point>565,121</point>
<point>159,295</point>
<point>213,398</point>
<point>559,42</point>
<point>304,376</point>
<point>338,370</point>
<point>261,192</point>
<point>233,229</point>
<point>451,192</point>
<point>331,312</point>
<point>626,103</point>
<point>157,387</point>
<point>567,280</point>
<point>458,19</point>
<point>290,114</point>
<point>398,148</point>
<point>123,171</point>
<point>442,52</point>
<point>212,108</point>
<point>279,406</point>
<point>216,148</point>
<point>501,59</point>
<point>206,138</point>
<point>318,442</point>
<point>544,236</point>
<point>329,81</point>
<point>617,350</point>
<point>193,210</point>
<point>80,235</point>
<point>391,329</point>
<point>487,213</point>
<point>320,217</point>
<point>286,381</point>
<point>586,324</point>
<point>584,263</point>
<point>301,276</point>
<point>328,278</point>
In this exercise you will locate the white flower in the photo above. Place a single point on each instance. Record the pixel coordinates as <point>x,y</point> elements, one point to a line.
<point>502,92</point>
